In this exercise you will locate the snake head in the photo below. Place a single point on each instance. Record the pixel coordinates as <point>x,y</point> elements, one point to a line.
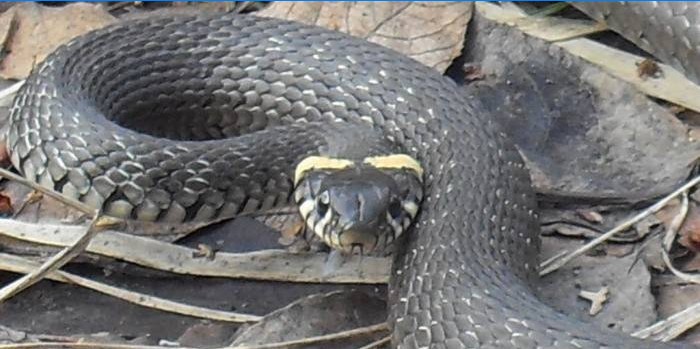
<point>358,206</point>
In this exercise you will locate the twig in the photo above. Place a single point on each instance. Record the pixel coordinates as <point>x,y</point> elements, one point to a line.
<point>260,265</point>
<point>119,5</point>
<point>377,343</point>
<point>17,264</point>
<point>58,260</point>
<point>53,194</point>
<point>558,263</point>
<point>558,255</point>
<point>240,8</point>
<point>97,224</point>
<point>10,91</point>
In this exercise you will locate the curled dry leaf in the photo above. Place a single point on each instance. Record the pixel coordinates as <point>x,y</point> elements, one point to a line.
<point>689,233</point>
<point>432,33</point>
<point>4,156</point>
<point>33,31</point>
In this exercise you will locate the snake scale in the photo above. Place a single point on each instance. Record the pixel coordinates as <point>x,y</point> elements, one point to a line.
<point>166,118</point>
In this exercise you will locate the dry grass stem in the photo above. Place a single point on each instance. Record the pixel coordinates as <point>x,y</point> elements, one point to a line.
<point>55,262</point>
<point>555,264</point>
<point>17,264</point>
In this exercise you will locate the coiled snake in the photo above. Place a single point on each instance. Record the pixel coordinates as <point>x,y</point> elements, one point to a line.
<point>136,118</point>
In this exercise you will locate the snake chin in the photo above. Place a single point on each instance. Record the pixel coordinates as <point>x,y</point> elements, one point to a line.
<point>358,207</point>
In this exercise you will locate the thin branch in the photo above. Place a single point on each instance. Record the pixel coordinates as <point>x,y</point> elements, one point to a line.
<point>276,265</point>
<point>49,192</point>
<point>670,237</point>
<point>11,90</point>
<point>17,264</point>
<point>58,260</point>
<point>377,343</point>
<point>558,263</point>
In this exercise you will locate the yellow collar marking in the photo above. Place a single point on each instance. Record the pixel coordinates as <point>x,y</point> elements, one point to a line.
<point>395,161</point>
<point>319,163</point>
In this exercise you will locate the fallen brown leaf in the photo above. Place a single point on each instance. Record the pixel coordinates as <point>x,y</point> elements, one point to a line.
<point>689,237</point>
<point>690,231</point>
<point>5,205</point>
<point>8,27</point>
<point>668,212</point>
<point>432,33</point>
<point>41,29</point>
<point>4,156</point>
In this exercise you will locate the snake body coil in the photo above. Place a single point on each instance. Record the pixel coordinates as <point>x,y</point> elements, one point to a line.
<point>167,119</point>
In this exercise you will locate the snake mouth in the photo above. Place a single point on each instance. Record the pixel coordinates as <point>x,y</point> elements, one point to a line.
<point>359,206</point>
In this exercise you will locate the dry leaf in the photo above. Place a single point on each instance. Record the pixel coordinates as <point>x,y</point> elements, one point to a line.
<point>40,29</point>
<point>432,33</point>
<point>4,156</point>
<point>5,205</point>
<point>689,233</point>
<point>8,27</point>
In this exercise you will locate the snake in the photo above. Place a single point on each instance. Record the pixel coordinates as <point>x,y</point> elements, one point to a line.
<point>194,117</point>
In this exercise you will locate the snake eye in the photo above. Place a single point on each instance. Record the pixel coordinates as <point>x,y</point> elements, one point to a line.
<point>324,200</point>
<point>395,209</point>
